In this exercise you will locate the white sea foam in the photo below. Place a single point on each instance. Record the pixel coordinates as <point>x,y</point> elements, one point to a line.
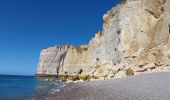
<point>62,86</point>
<point>45,79</point>
<point>55,90</point>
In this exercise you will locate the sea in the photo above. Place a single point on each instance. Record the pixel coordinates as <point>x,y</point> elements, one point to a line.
<point>13,87</point>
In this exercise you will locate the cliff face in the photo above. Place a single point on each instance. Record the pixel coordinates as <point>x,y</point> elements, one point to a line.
<point>130,27</point>
<point>70,60</point>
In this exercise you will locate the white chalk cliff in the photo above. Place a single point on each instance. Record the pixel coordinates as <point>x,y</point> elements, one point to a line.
<point>135,36</point>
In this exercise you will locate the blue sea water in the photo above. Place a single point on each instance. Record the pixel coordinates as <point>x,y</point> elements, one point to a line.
<point>27,87</point>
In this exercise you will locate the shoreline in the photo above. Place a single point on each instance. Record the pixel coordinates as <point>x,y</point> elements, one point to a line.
<point>155,86</point>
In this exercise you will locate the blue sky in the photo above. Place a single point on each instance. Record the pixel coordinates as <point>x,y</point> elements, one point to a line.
<point>27,26</point>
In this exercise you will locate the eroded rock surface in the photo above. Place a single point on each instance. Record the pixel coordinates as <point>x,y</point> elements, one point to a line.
<point>135,36</point>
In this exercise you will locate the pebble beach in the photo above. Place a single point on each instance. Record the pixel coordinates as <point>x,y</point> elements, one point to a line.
<point>143,87</point>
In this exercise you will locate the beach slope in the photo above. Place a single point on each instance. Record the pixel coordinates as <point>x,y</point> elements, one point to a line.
<point>143,87</point>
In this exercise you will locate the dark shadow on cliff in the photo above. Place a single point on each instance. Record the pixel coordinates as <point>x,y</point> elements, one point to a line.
<point>61,60</point>
<point>169,27</point>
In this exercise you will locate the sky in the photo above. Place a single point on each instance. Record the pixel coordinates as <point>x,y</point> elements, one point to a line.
<point>28,26</point>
